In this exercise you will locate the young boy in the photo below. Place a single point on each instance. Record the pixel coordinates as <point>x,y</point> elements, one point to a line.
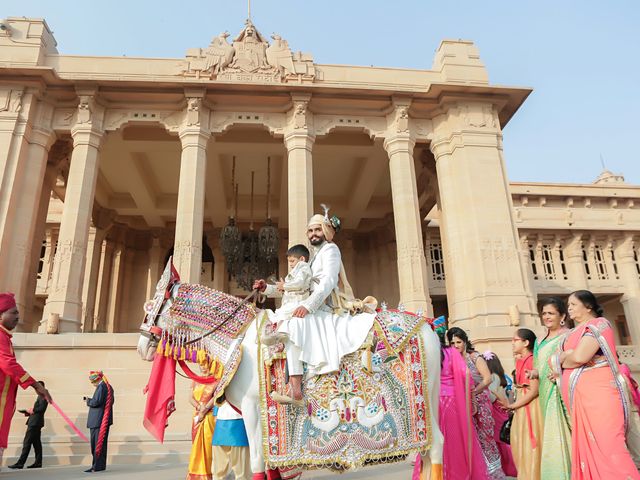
<point>294,289</point>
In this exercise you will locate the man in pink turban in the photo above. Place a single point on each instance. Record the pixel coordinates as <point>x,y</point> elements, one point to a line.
<point>11,373</point>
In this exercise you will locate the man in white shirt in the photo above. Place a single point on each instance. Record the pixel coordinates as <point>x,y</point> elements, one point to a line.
<point>320,333</point>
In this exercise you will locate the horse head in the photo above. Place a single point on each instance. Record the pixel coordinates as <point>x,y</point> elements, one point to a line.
<point>155,310</point>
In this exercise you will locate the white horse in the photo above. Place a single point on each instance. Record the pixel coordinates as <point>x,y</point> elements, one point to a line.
<point>242,391</point>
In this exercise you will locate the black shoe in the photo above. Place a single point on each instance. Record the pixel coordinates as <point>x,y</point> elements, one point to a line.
<point>35,465</point>
<point>89,470</point>
<point>17,466</point>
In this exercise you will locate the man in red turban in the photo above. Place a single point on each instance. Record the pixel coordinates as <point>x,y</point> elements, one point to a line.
<point>11,373</point>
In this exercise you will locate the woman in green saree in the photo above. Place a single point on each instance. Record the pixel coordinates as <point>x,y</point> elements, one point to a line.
<point>556,445</point>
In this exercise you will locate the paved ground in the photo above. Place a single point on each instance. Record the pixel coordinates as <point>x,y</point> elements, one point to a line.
<point>398,471</point>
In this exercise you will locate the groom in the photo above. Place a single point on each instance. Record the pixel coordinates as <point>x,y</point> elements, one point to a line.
<point>320,333</point>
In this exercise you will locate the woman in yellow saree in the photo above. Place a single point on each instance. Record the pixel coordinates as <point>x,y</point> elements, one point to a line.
<point>201,458</point>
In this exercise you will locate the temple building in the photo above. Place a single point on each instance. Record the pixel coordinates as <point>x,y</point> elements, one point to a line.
<point>110,165</point>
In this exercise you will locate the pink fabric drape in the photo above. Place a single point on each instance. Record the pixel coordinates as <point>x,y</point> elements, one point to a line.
<point>500,415</point>
<point>598,436</point>
<point>462,456</point>
<point>633,385</point>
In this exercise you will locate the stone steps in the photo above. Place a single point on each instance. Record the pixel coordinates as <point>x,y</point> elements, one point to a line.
<point>63,362</point>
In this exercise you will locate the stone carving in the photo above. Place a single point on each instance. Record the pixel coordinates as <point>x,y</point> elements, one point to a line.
<point>16,101</point>
<point>219,53</point>
<point>249,58</point>
<point>193,111</point>
<point>478,116</point>
<point>11,101</point>
<point>279,55</point>
<point>85,108</point>
<point>402,120</point>
<point>300,115</point>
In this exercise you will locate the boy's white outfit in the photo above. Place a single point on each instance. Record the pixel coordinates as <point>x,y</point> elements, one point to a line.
<point>296,286</point>
<point>324,335</point>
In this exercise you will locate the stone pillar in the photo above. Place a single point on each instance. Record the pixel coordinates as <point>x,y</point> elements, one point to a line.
<point>190,213</point>
<point>102,288</point>
<point>574,262</point>
<point>115,288</point>
<point>47,262</point>
<point>22,180</point>
<point>629,277</point>
<point>412,264</point>
<point>29,317</point>
<point>92,269</point>
<point>65,297</point>
<point>13,147</point>
<point>299,143</point>
<point>477,225</point>
<point>219,270</point>
<point>155,267</point>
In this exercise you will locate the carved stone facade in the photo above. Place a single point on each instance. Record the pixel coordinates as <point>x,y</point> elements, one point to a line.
<point>249,58</point>
<point>110,165</point>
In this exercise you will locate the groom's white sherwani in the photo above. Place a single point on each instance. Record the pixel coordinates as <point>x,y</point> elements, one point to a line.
<point>323,337</point>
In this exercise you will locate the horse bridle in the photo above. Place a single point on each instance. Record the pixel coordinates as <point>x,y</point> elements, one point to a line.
<point>154,333</point>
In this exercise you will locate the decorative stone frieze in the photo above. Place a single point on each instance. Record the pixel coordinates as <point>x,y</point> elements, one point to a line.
<point>249,58</point>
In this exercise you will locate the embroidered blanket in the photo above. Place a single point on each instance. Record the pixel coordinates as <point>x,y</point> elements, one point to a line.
<point>374,409</point>
<point>196,310</point>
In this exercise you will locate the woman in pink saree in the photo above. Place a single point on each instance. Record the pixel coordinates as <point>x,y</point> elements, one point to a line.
<point>482,416</point>
<point>462,456</point>
<point>594,395</point>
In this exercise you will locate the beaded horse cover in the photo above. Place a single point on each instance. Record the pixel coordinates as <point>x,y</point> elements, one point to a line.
<point>373,410</point>
<point>195,311</point>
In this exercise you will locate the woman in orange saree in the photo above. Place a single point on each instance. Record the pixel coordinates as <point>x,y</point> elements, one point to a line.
<point>526,428</point>
<point>592,392</point>
<point>201,458</point>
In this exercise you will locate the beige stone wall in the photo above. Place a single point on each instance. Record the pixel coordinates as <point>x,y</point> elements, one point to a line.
<point>64,362</point>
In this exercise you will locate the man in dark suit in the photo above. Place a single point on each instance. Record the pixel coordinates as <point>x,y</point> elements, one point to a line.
<point>35,422</point>
<point>100,419</point>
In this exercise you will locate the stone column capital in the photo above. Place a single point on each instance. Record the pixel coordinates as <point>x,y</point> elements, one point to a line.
<point>194,136</point>
<point>401,143</point>
<point>42,137</point>
<point>86,135</point>
<point>299,139</point>
<point>624,248</point>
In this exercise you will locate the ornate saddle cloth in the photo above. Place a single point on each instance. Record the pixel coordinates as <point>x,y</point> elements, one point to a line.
<point>374,409</point>
<point>196,310</point>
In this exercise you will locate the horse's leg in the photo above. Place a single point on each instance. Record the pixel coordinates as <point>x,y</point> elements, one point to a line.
<point>432,463</point>
<point>243,392</point>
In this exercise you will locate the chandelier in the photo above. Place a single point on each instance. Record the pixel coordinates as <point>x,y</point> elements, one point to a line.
<point>250,255</point>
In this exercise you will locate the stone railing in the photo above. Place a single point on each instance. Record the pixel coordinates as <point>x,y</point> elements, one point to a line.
<point>628,354</point>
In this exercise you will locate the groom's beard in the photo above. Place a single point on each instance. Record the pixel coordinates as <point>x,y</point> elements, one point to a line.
<point>316,240</point>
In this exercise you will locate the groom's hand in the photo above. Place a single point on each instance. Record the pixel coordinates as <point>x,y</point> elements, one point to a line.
<point>300,312</point>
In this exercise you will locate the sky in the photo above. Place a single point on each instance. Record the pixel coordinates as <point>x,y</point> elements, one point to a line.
<point>581,57</point>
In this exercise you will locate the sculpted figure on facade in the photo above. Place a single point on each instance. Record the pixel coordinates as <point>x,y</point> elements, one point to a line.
<point>249,58</point>
<point>219,54</point>
<point>193,111</point>
<point>249,49</point>
<point>300,115</point>
<point>279,55</point>
<point>84,109</point>
<point>16,102</point>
